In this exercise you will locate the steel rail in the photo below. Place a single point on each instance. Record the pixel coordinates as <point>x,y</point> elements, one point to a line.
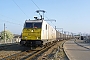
<point>39,52</point>
<point>28,54</point>
<point>17,56</point>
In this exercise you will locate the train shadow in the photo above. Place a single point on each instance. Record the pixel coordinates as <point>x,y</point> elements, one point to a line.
<point>13,47</point>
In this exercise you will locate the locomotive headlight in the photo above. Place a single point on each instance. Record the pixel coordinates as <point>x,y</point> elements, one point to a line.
<point>25,37</point>
<point>31,30</point>
<point>37,37</point>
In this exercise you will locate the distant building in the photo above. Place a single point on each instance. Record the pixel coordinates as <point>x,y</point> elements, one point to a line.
<point>77,36</point>
<point>16,38</point>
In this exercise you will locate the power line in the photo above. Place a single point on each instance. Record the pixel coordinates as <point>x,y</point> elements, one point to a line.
<point>39,9</point>
<point>6,16</point>
<point>49,19</point>
<point>35,4</point>
<point>14,23</point>
<point>8,21</point>
<point>19,7</point>
<point>11,22</point>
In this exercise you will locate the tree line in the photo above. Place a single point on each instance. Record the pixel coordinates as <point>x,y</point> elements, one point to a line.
<point>6,35</point>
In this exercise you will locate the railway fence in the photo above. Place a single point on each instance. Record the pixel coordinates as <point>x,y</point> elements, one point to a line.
<point>14,40</point>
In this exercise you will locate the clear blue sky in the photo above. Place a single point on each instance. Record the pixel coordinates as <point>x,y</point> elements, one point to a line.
<point>71,15</point>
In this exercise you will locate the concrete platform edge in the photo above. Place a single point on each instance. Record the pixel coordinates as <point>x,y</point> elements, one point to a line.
<point>66,52</point>
<point>80,44</point>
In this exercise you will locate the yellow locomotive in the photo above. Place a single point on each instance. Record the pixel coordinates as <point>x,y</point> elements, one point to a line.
<point>37,33</point>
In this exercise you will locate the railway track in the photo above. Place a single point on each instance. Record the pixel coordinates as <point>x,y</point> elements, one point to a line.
<point>34,54</point>
<point>39,52</point>
<point>28,54</point>
<point>54,53</point>
<point>19,56</point>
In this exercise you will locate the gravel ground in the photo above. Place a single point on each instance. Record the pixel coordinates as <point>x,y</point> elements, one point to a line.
<point>54,53</point>
<point>10,49</point>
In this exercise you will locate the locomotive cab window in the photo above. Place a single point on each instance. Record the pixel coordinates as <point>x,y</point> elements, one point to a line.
<point>28,25</point>
<point>37,25</point>
<point>33,25</point>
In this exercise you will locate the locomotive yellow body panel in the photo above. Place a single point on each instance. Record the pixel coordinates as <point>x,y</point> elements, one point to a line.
<point>31,34</point>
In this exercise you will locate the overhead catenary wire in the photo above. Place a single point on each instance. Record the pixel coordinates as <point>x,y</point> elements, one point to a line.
<point>6,17</point>
<point>11,18</point>
<point>20,8</point>
<point>36,6</point>
<point>11,22</point>
<point>14,23</point>
<point>39,9</point>
<point>49,19</point>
